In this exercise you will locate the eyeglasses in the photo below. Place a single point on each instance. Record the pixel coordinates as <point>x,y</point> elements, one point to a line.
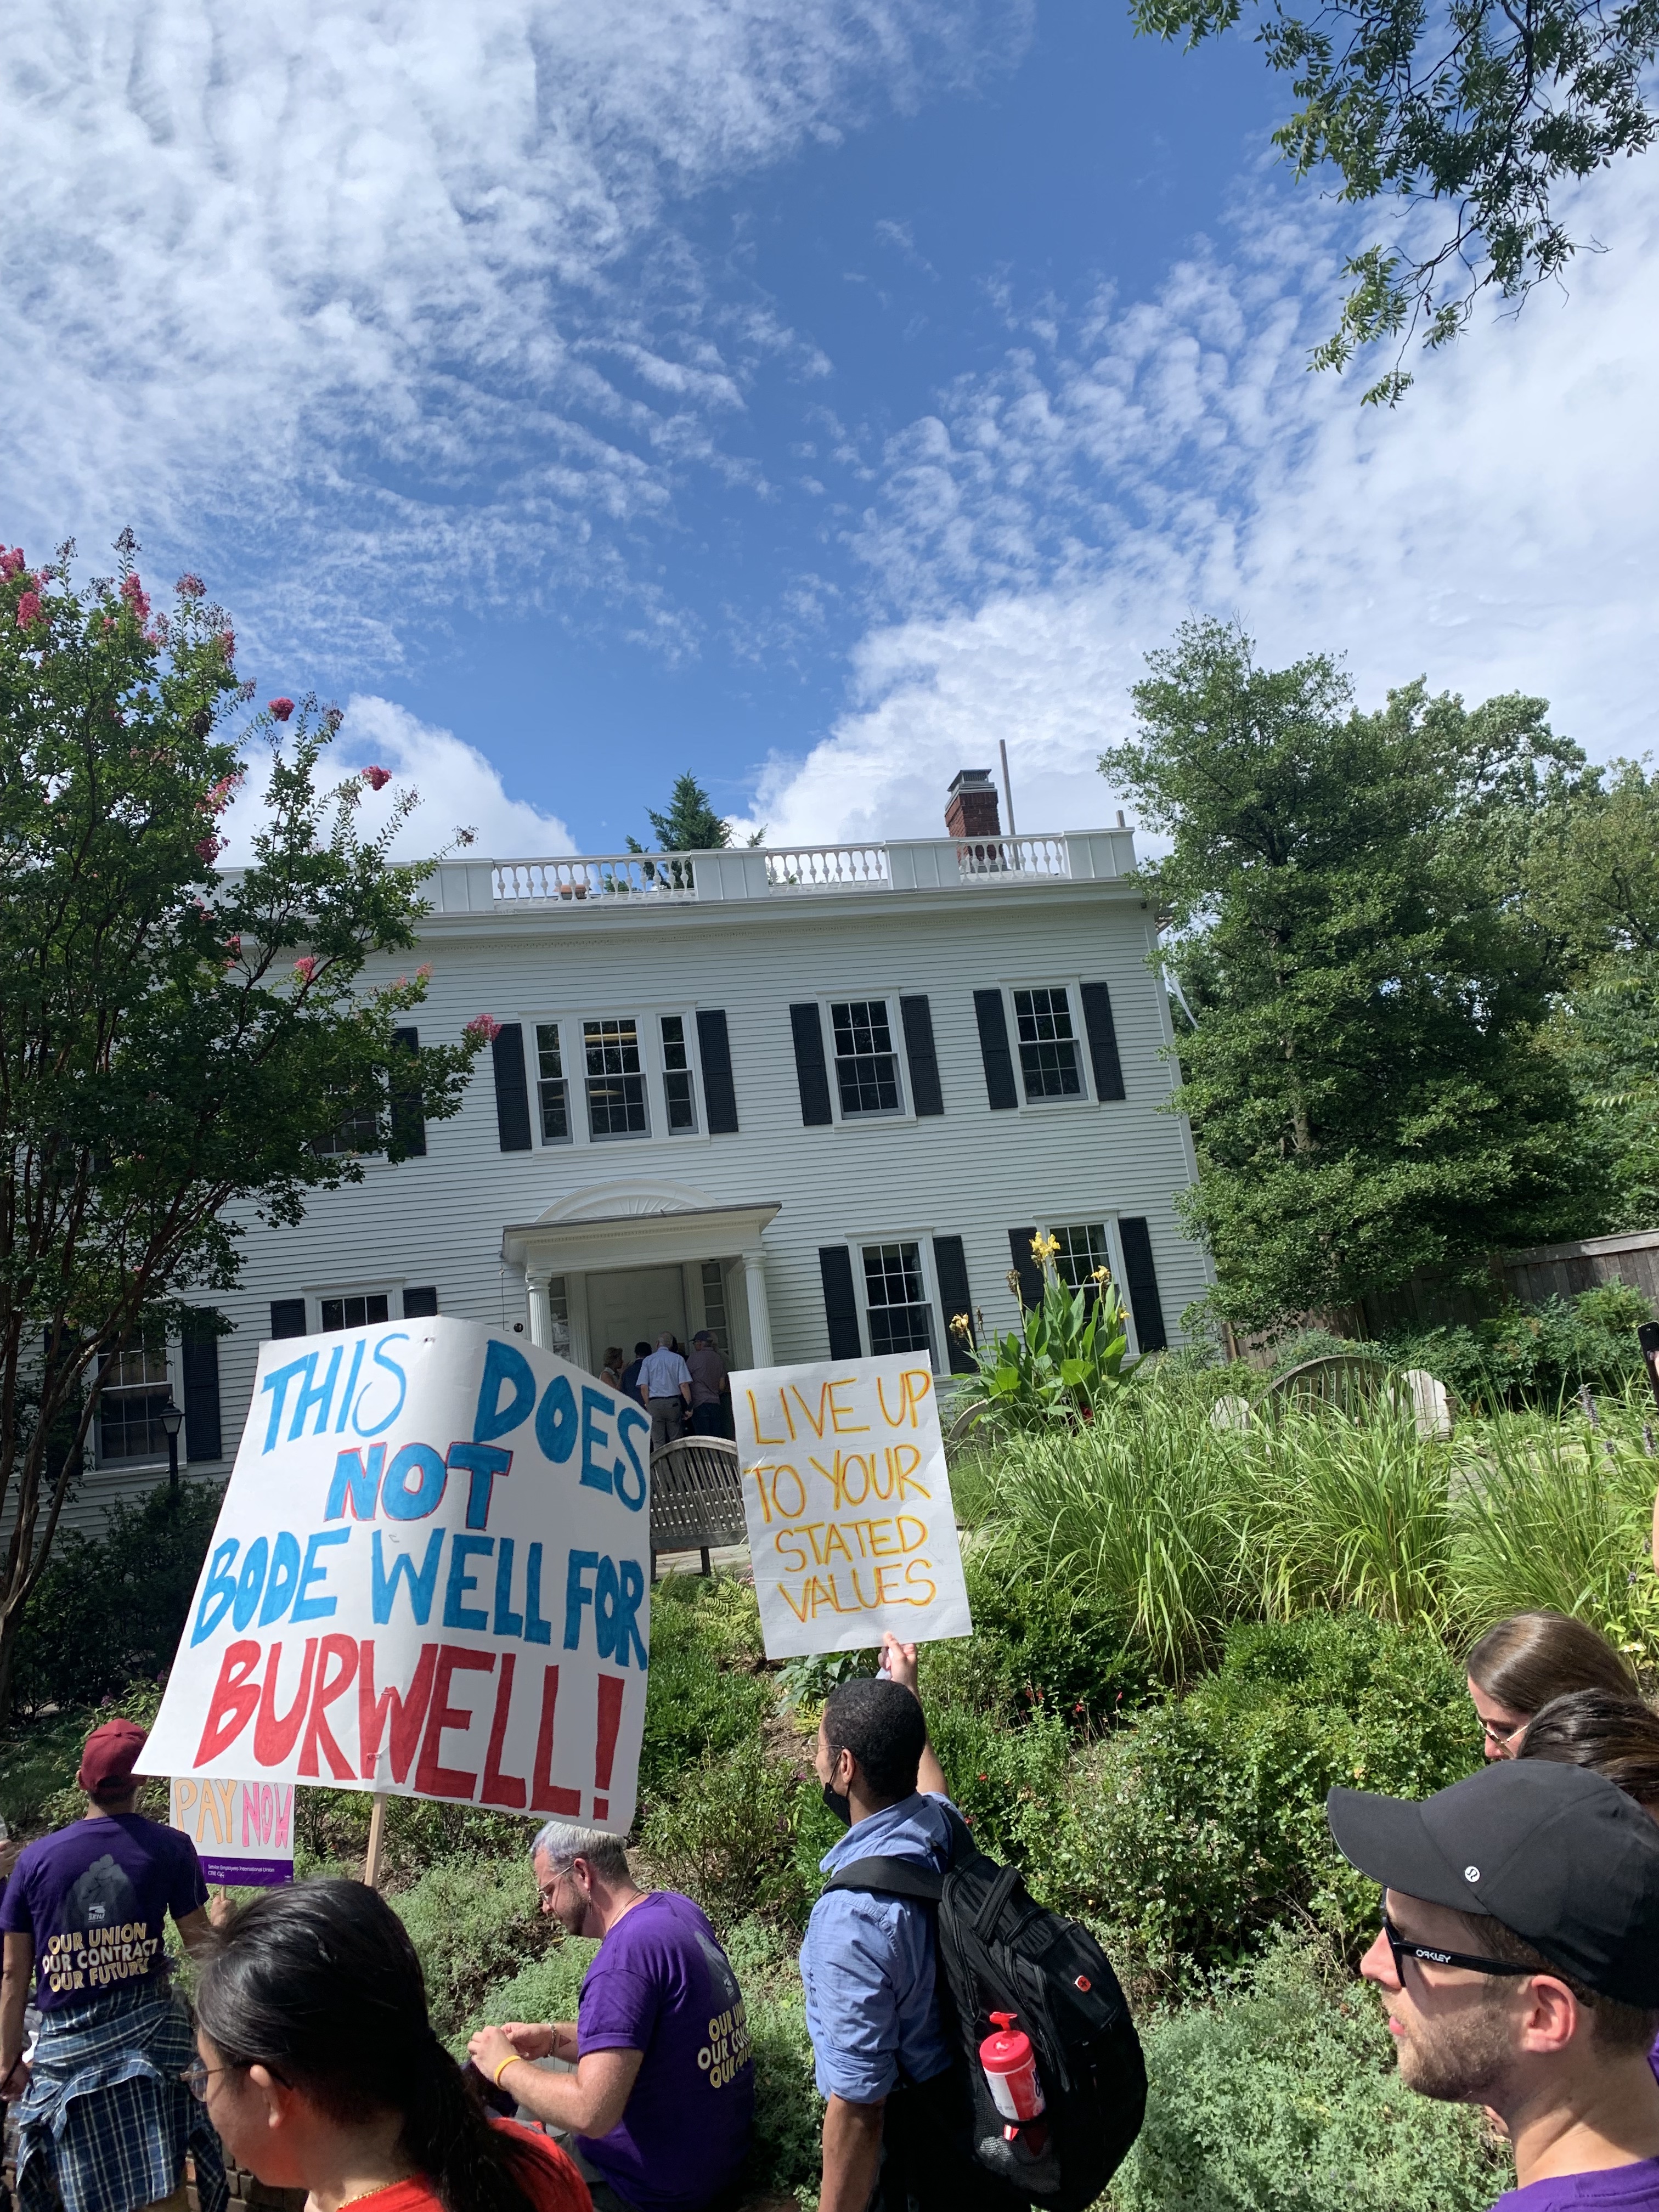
<point>1430,1954</point>
<point>1503,1738</point>
<point>195,2077</point>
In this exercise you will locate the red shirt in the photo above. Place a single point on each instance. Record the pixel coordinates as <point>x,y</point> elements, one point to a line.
<point>558,2187</point>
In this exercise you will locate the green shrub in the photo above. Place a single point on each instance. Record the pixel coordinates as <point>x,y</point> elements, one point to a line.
<point>1281,2095</point>
<point>476,1922</point>
<point>1189,1832</point>
<point>544,1989</point>
<point>110,1607</point>
<point>721,1832</point>
<point>1534,1355</point>
<point>702,1698</point>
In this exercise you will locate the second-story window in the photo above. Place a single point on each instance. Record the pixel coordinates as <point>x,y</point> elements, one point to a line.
<point>552,1092</point>
<point>866,1065</point>
<point>1047,1046</point>
<point>358,1131</point>
<point>135,1389</point>
<point>616,1080</point>
<point>677,1095</point>
<point>355,1312</point>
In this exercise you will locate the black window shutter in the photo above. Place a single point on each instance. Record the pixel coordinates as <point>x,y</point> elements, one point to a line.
<point>417,1304</point>
<point>993,1049</point>
<point>198,1353</point>
<point>288,1316</point>
<point>918,1019</point>
<point>719,1098</point>
<point>840,1306</point>
<point>512,1091</point>
<point>1102,1041</point>
<point>950,1265</point>
<point>408,1121</point>
<point>1142,1279</point>
<point>813,1079</point>
<point>1031,1284</point>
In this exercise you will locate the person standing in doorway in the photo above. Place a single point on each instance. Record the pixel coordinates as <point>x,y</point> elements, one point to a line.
<point>711,1387</point>
<point>614,1368</point>
<point>665,1387</point>
<point>105,2120</point>
<point>630,1375</point>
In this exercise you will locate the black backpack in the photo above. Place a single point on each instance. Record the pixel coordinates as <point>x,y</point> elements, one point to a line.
<point>999,1952</point>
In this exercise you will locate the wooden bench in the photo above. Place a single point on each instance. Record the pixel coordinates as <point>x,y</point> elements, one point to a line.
<point>697,1497</point>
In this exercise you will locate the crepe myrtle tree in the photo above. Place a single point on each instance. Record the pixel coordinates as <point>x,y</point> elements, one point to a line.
<point>180,1050</point>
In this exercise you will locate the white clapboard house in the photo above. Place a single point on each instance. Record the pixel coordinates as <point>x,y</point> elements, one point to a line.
<point>817,1100</point>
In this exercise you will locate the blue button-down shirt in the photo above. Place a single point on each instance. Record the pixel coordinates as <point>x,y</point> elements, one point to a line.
<point>868,1963</point>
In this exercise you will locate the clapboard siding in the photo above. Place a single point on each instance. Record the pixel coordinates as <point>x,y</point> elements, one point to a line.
<point>970,1172</point>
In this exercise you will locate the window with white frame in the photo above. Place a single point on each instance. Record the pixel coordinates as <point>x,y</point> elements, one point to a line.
<point>136,1387</point>
<point>361,1310</point>
<point>896,1299</point>
<point>714,1305</point>
<point>559,1316</point>
<point>1082,1252</point>
<point>1050,1062</point>
<point>615,1079</point>
<point>679,1093</point>
<point>358,1131</point>
<point>552,1089</point>
<point>866,1065</point>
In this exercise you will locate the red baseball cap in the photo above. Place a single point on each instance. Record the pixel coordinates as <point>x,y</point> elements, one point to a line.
<point>110,1753</point>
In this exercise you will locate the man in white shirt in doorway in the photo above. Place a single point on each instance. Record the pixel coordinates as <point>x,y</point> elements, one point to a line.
<point>665,1388</point>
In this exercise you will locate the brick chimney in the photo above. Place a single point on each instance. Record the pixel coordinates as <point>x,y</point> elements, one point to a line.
<point>971,809</point>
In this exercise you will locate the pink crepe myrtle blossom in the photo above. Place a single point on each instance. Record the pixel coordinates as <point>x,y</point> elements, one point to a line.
<point>485,1027</point>
<point>207,849</point>
<point>424,973</point>
<point>282,708</point>
<point>28,610</point>
<point>332,719</point>
<point>233,947</point>
<point>377,778</point>
<point>136,597</point>
<point>219,795</point>
<point>305,967</point>
<point>11,564</point>
<point>227,643</point>
<point>191,587</point>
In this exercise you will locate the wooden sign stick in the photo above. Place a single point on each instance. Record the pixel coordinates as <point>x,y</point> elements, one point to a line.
<point>376,1832</point>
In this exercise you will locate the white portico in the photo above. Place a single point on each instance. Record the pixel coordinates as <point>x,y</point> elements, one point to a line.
<point>621,1262</point>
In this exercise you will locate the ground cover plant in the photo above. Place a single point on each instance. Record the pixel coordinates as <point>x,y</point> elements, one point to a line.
<point>1185,1633</point>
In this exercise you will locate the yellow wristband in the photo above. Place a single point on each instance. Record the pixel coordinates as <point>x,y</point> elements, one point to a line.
<point>502,2068</point>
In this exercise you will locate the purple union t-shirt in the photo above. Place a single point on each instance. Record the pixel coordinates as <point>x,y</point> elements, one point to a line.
<point>95,1896</point>
<point>1610,2189</point>
<point>660,1985</point>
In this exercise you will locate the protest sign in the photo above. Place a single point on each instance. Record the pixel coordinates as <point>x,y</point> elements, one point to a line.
<point>243,1832</point>
<point>428,1577</point>
<point>845,1492</point>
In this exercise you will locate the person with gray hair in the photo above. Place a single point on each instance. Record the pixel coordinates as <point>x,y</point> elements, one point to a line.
<point>659,2105</point>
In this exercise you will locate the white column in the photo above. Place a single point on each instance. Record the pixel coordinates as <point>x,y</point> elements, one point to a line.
<point>760,1325</point>
<point>534,1290</point>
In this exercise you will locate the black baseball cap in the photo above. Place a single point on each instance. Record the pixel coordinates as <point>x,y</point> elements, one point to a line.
<point>1560,1856</point>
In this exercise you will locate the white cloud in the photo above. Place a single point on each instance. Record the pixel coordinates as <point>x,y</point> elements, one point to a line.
<point>1055,520</point>
<point>374,293</point>
<point>457,787</point>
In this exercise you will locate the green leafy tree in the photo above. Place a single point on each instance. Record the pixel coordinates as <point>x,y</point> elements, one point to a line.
<point>1487,107</point>
<point>1592,877</point>
<point>180,1050</point>
<point>1368,1089</point>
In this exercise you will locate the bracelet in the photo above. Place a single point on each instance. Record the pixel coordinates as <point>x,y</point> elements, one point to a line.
<point>502,2068</point>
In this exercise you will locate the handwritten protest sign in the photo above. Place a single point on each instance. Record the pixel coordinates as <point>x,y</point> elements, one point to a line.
<point>851,1527</point>
<point>243,1832</point>
<point>428,1577</point>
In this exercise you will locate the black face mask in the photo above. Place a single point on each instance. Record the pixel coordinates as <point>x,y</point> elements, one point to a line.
<point>838,1805</point>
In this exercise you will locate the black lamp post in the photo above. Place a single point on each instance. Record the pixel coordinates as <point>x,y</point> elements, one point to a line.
<point>172,1420</point>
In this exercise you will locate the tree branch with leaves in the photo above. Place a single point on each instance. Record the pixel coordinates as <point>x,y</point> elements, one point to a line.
<point>179,1048</point>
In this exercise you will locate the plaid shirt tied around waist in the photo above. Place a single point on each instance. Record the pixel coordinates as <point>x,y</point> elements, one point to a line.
<point>106,2118</point>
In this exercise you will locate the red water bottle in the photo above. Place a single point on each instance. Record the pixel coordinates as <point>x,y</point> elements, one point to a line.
<point>1010,2067</point>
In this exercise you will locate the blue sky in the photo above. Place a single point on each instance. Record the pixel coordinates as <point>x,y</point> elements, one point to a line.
<point>806,394</point>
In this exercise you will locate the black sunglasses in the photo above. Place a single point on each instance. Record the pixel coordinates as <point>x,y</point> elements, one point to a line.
<point>1430,1954</point>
